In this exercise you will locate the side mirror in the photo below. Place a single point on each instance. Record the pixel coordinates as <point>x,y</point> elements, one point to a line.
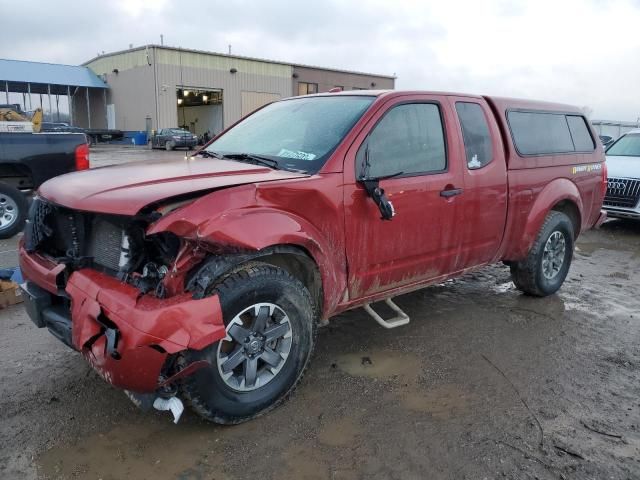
<point>372,186</point>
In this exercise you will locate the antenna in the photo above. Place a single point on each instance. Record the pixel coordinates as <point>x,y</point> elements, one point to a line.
<point>161,39</point>
<point>229,49</point>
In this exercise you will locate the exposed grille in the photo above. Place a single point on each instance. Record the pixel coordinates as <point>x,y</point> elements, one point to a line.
<point>36,229</point>
<point>81,236</point>
<point>105,244</point>
<point>622,192</point>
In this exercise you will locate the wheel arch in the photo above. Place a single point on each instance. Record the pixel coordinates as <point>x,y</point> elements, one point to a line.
<point>560,195</point>
<point>299,262</point>
<point>271,236</point>
<point>571,210</point>
<point>17,175</point>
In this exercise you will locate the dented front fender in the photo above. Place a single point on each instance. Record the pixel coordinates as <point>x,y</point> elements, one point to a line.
<point>251,218</point>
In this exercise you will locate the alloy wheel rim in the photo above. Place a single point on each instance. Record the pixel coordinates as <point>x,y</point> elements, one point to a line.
<point>256,347</point>
<point>553,255</point>
<point>8,212</point>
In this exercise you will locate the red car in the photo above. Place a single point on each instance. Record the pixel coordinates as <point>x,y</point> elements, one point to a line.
<point>204,279</point>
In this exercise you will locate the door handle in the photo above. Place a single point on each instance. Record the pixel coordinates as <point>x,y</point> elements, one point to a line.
<point>450,192</point>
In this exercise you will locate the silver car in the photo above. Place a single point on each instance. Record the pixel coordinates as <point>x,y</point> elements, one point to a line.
<point>623,174</point>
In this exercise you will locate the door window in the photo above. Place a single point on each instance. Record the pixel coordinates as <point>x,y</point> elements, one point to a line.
<point>475,132</point>
<point>409,140</point>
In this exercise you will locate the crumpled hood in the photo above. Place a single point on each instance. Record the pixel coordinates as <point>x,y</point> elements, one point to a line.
<point>623,167</point>
<point>125,189</point>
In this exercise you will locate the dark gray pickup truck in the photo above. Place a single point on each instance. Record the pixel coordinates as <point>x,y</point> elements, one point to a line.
<point>26,161</point>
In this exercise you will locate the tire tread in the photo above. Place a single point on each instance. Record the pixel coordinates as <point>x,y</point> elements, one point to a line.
<point>244,273</point>
<point>524,273</point>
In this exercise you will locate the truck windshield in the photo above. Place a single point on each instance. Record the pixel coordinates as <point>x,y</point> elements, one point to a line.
<point>626,146</point>
<point>298,134</point>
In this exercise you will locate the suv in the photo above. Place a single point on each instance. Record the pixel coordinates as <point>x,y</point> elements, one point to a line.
<point>623,184</point>
<point>170,138</point>
<point>204,279</point>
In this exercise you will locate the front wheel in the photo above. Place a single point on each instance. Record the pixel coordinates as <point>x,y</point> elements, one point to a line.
<point>270,324</point>
<point>13,211</point>
<point>547,264</point>
<point>170,145</point>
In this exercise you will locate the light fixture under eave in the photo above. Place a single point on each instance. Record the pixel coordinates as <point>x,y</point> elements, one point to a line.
<point>185,93</point>
<point>205,98</point>
<point>179,101</point>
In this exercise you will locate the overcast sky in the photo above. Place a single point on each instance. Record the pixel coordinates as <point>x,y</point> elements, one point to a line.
<point>583,52</point>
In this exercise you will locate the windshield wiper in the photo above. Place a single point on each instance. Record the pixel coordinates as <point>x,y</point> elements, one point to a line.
<point>210,154</point>
<point>253,158</point>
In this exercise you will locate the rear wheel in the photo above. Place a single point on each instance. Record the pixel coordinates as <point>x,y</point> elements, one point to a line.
<point>270,324</point>
<point>13,211</point>
<point>169,145</point>
<point>547,264</point>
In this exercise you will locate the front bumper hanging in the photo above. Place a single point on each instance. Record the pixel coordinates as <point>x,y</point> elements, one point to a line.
<point>125,336</point>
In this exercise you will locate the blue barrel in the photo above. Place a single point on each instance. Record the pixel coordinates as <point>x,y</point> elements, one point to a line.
<point>140,138</point>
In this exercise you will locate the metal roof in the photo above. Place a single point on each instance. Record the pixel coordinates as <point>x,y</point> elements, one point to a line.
<point>241,57</point>
<point>18,71</point>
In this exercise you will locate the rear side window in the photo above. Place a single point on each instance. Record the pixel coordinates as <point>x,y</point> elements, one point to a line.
<point>542,133</point>
<point>409,140</point>
<point>475,132</point>
<point>580,133</point>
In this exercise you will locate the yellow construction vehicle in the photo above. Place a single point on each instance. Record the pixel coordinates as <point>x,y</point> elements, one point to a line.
<point>13,120</point>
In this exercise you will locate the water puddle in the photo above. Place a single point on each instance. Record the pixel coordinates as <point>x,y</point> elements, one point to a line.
<point>142,452</point>
<point>339,433</point>
<point>442,402</point>
<point>381,364</point>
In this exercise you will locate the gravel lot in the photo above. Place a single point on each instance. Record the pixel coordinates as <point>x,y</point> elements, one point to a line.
<point>483,383</point>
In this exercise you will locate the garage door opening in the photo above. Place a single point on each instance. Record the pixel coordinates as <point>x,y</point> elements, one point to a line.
<point>200,111</point>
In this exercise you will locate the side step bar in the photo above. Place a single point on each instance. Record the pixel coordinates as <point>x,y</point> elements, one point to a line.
<point>400,319</point>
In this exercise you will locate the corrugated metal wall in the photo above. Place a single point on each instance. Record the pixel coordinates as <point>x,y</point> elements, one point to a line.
<point>147,73</point>
<point>122,61</point>
<point>189,69</point>
<point>328,79</point>
<point>147,79</point>
<point>253,100</point>
<point>612,128</point>
<point>132,89</point>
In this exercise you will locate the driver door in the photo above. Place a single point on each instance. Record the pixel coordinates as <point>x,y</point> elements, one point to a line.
<point>406,140</point>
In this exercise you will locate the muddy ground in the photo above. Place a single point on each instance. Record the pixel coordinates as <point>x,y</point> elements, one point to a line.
<point>483,383</point>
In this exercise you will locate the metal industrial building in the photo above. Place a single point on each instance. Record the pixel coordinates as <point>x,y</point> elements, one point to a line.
<point>614,128</point>
<point>154,87</point>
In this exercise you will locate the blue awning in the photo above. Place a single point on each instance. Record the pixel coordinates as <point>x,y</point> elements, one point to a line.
<point>21,72</point>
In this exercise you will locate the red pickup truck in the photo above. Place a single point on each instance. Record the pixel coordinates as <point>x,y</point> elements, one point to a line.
<point>204,279</point>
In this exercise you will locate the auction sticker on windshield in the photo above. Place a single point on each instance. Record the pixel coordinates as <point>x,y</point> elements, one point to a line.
<point>298,155</point>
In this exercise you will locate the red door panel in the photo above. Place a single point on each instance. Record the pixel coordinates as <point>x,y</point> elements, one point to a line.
<point>421,242</point>
<point>483,207</point>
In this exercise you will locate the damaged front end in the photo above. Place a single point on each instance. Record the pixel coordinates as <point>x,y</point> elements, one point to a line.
<point>104,287</point>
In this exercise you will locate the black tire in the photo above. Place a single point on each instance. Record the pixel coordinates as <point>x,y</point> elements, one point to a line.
<point>529,274</point>
<point>207,392</point>
<point>169,145</point>
<point>14,199</point>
